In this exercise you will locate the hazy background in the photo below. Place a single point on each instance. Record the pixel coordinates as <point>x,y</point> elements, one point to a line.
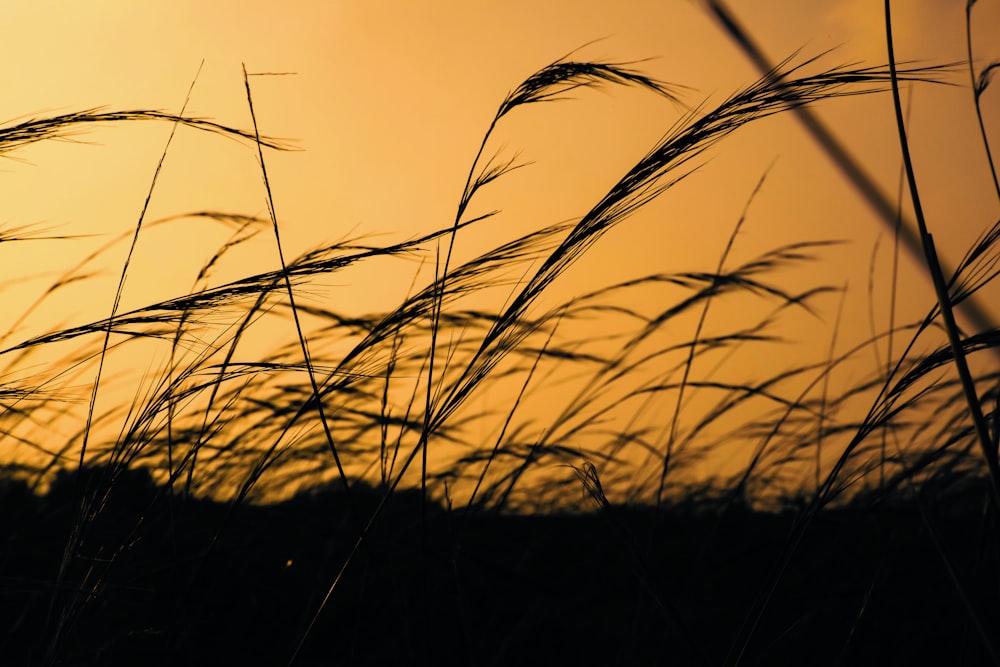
<point>387,103</point>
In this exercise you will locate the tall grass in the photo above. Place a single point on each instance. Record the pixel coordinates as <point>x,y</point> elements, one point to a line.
<point>391,400</point>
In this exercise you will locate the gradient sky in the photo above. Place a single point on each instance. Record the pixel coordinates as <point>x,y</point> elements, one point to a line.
<point>387,102</point>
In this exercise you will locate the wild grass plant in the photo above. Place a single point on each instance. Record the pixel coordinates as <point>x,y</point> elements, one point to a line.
<point>346,494</point>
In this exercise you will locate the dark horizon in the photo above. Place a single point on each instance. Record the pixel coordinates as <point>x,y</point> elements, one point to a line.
<point>177,581</point>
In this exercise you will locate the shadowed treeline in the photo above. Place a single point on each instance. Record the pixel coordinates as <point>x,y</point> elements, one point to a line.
<point>188,581</point>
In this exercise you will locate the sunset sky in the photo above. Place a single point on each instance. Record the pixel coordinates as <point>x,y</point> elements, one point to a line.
<point>386,103</point>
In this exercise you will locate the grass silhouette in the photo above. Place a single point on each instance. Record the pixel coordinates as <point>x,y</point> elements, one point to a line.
<point>162,531</point>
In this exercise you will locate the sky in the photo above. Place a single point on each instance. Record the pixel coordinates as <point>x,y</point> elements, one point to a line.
<point>385,104</point>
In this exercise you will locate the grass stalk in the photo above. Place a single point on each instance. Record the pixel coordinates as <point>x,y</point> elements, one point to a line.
<point>291,294</point>
<point>979,85</point>
<point>74,538</point>
<point>937,277</point>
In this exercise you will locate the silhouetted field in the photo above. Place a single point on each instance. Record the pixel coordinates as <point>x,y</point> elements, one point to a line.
<point>192,582</point>
<point>839,535</point>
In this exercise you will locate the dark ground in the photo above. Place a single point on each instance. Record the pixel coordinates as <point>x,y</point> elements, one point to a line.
<point>190,583</point>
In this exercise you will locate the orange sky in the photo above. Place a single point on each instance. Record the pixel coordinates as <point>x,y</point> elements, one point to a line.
<point>388,102</point>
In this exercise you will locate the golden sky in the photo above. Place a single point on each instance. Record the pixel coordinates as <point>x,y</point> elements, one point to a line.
<point>387,103</point>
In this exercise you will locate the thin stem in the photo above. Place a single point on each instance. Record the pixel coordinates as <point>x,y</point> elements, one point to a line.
<point>291,297</point>
<point>977,92</point>
<point>937,277</point>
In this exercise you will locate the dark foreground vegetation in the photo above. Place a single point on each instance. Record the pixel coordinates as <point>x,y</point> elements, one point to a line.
<point>193,582</point>
<point>143,525</point>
